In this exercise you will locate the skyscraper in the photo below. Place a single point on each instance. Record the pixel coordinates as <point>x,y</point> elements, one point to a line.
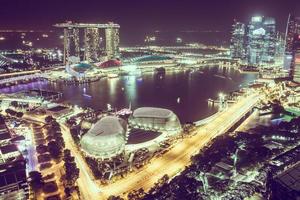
<point>295,68</point>
<point>71,41</point>
<point>292,29</point>
<point>237,43</point>
<point>91,39</point>
<point>92,44</point>
<point>112,42</point>
<point>290,33</point>
<point>261,40</point>
<point>269,44</point>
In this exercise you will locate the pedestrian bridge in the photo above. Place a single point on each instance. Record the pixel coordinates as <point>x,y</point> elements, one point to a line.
<point>21,78</point>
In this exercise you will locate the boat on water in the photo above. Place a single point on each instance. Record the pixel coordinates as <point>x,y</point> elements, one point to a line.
<point>160,70</point>
<point>86,95</point>
<point>220,76</point>
<point>248,69</point>
<point>112,75</point>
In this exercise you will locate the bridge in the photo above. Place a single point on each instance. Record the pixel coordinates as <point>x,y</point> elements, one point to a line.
<point>21,78</point>
<point>6,61</point>
<point>23,100</point>
<point>187,47</point>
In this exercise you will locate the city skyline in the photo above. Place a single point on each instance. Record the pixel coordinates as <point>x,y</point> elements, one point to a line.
<point>144,100</point>
<point>147,16</point>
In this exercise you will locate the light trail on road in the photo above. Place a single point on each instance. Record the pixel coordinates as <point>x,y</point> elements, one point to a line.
<point>170,163</point>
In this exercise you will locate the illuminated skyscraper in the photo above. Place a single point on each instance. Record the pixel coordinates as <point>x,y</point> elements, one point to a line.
<point>292,29</point>
<point>112,42</point>
<point>295,68</point>
<point>261,41</point>
<point>290,33</point>
<point>71,43</point>
<point>91,41</point>
<point>269,46</point>
<point>237,43</point>
<point>255,38</point>
<point>91,44</point>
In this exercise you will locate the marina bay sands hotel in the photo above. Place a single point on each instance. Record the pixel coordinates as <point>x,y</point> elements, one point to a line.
<point>85,41</point>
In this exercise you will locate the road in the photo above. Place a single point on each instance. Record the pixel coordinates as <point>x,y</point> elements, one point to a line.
<point>171,163</point>
<point>179,156</point>
<point>87,185</point>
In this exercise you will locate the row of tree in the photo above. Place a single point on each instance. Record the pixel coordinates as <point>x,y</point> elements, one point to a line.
<point>72,171</point>
<point>54,137</point>
<point>14,113</point>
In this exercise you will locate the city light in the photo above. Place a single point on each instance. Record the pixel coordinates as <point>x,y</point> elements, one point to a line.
<point>172,104</point>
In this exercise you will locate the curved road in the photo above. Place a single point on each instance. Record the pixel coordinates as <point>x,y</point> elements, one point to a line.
<point>171,163</point>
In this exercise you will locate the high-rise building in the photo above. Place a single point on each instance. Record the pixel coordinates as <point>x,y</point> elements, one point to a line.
<point>261,40</point>
<point>269,45</point>
<point>91,40</point>
<point>292,29</point>
<point>92,44</point>
<point>237,43</point>
<point>13,179</point>
<point>112,42</point>
<point>71,43</point>
<point>290,33</point>
<point>295,68</point>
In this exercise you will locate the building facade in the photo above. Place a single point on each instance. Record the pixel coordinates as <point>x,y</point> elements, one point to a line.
<point>291,31</point>
<point>237,42</point>
<point>295,70</point>
<point>112,42</point>
<point>156,119</point>
<point>13,178</point>
<point>261,41</point>
<point>106,139</point>
<point>87,38</point>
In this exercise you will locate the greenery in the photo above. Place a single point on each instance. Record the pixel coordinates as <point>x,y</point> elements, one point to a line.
<point>54,150</point>
<point>36,180</point>
<point>72,172</point>
<point>14,113</point>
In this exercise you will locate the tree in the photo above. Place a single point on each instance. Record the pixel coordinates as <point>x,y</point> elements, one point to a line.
<point>67,191</point>
<point>19,114</point>
<point>60,141</point>
<point>49,119</point>
<point>67,153</point>
<point>72,172</point>
<point>54,149</point>
<point>41,148</point>
<point>10,112</point>
<point>36,180</point>
<point>14,104</point>
<point>112,197</point>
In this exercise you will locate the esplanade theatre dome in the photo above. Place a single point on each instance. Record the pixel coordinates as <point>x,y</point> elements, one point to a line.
<point>159,119</point>
<point>107,138</point>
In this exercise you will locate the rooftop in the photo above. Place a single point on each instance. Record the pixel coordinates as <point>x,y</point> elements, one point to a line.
<point>109,125</point>
<point>152,112</point>
<point>4,135</point>
<point>8,148</point>
<point>290,178</point>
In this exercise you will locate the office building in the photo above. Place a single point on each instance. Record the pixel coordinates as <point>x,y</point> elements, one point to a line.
<point>295,69</point>
<point>237,42</point>
<point>261,41</point>
<point>13,179</point>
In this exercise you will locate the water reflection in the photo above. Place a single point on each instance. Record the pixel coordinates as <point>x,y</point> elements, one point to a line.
<point>158,90</point>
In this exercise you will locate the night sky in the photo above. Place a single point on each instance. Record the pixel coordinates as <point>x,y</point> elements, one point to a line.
<point>140,16</point>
